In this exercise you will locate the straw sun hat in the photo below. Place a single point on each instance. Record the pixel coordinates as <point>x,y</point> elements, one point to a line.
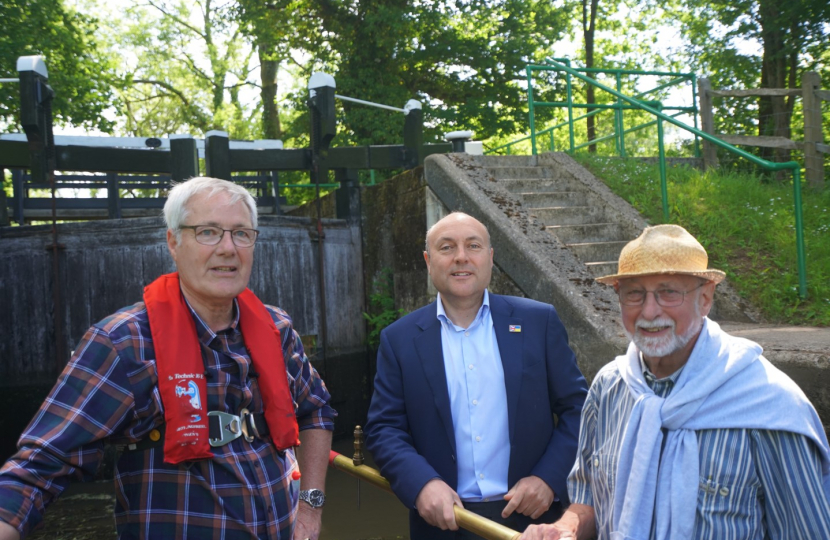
<point>664,249</point>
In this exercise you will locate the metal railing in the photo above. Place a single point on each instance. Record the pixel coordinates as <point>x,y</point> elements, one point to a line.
<point>618,133</point>
<point>660,117</point>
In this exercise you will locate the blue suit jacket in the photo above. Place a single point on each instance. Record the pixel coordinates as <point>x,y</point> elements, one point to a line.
<point>410,430</point>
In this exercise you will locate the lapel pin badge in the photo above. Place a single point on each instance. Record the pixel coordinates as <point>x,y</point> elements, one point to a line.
<point>514,328</point>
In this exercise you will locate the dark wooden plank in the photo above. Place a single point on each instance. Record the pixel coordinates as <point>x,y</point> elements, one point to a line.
<point>294,159</point>
<point>122,160</point>
<point>14,154</point>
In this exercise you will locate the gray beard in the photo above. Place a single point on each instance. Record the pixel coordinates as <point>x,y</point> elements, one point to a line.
<point>663,346</point>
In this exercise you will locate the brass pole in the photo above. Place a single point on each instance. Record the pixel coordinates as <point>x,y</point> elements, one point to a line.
<point>490,530</point>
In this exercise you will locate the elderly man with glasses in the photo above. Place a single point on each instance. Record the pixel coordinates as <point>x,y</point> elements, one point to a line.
<point>206,390</point>
<point>692,434</point>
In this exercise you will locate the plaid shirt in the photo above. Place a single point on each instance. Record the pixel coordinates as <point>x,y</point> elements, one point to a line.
<point>108,393</point>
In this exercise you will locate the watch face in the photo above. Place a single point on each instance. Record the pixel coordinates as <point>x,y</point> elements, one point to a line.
<point>314,497</point>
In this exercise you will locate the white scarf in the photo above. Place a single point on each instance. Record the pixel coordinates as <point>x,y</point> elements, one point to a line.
<point>726,383</point>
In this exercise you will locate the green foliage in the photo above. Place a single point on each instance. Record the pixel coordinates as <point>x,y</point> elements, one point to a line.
<point>746,225</point>
<point>79,72</point>
<point>463,60</point>
<point>382,307</point>
<point>183,73</point>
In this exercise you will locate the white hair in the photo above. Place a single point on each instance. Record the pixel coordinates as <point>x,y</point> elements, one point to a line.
<point>176,211</point>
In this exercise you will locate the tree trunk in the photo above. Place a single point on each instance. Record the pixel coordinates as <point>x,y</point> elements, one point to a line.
<point>588,29</point>
<point>778,71</point>
<point>269,67</point>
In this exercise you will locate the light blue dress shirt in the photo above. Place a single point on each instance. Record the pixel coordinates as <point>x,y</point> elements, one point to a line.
<point>478,399</point>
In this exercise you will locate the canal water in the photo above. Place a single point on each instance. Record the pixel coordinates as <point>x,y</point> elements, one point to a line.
<point>84,512</point>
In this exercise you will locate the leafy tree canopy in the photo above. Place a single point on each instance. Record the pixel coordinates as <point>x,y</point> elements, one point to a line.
<point>80,72</point>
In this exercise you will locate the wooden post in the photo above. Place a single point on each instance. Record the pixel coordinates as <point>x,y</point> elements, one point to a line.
<point>217,155</point>
<point>184,159</point>
<point>413,133</point>
<point>4,204</point>
<point>113,197</point>
<point>347,196</point>
<point>18,196</point>
<point>813,158</point>
<point>707,123</point>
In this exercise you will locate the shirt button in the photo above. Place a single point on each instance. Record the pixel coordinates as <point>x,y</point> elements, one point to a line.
<point>724,491</point>
<point>481,476</point>
<point>475,402</point>
<point>478,439</point>
<point>596,462</point>
<point>486,500</point>
<point>470,366</point>
<point>466,334</point>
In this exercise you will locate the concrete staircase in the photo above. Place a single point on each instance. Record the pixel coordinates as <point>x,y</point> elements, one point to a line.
<point>568,210</point>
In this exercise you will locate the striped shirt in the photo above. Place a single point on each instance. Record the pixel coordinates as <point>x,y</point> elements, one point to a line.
<point>754,484</point>
<point>108,393</point>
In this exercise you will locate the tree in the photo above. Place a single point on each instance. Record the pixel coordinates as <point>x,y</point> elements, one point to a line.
<point>589,26</point>
<point>792,37</point>
<point>80,72</point>
<point>463,60</point>
<point>184,70</point>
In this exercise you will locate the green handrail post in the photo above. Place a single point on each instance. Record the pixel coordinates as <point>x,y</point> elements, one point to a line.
<point>570,112</point>
<point>799,234</point>
<point>619,118</point>
<point>552,147</point>
<point>371,177</point>
<point>530,109</point>
<point>664,191</point>
<point>694,114</point>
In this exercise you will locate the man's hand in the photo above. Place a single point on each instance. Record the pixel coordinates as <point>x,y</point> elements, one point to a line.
<point>577,523</point>
<point>7,532</point>
<point>308,523</point>
<point>547,532</point>
<point>530,496</point>
<point>435,504</point>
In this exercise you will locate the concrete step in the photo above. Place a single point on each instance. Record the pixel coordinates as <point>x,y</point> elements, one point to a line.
<point>553,198</point>
<point>603,268</point>
<point>592,232</point>
<point>504,161</point>
<point>569,215</point>
<point>518,172</point>
<point>539,185</point>
<point>589,252</point>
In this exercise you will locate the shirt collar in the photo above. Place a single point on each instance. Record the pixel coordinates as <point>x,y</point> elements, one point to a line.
<point>483,311</point>
<point>651,378</point>
<point>206,335</point>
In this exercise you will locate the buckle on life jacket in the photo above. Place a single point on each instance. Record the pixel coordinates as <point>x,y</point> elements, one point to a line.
<point>231,427</point>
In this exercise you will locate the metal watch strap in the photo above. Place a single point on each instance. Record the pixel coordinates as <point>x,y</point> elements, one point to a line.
<point>314,497</point>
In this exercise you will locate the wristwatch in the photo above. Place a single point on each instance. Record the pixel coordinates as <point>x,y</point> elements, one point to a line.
<point>315,497</point>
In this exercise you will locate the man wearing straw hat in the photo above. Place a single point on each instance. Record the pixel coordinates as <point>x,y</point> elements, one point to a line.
<point>692,434</point>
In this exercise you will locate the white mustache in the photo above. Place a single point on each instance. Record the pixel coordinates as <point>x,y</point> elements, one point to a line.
<point>659,321</point>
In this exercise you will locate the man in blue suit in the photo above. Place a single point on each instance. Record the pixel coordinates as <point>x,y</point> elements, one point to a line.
<point>466,393</point>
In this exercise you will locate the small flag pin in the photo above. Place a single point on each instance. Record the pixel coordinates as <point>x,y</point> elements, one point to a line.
<point>515,328</point>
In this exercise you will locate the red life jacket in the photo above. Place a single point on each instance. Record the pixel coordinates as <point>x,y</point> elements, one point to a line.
<point>181,378</point>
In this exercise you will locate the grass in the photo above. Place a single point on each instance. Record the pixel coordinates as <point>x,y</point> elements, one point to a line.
<point>747,226</point>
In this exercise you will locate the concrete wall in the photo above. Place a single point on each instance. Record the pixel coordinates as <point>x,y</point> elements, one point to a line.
<point>104,266</point>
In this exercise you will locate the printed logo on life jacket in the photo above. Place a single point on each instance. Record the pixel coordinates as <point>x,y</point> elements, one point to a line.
<point>189,388</point>
<point>195,418</point>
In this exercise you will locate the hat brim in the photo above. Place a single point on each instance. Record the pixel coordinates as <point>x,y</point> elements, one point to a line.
<point>715,276</point>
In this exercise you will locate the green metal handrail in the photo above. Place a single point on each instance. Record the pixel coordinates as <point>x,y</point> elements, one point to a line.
<point>661,117</point>
<point>619,130</point>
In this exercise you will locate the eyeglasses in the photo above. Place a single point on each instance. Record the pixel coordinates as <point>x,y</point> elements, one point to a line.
<point>210,236</point>
<point>663,297</point>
